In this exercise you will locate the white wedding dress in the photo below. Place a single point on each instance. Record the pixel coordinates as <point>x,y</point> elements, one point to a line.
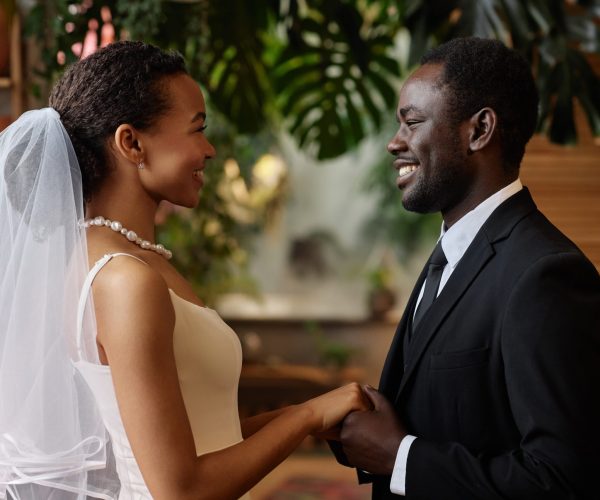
<point>208,356</point>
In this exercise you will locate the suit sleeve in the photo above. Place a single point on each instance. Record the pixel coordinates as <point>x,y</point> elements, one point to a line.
<point>550,343</point>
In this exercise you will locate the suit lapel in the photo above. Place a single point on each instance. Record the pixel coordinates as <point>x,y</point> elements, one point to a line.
<point>481,250</point>
<point>393,367</point>
<point>466,271</point>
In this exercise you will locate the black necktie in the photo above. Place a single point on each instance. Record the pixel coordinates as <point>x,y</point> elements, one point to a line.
<point>432,282</point>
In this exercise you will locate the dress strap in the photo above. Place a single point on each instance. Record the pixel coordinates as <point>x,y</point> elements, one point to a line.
<point>85,291</point>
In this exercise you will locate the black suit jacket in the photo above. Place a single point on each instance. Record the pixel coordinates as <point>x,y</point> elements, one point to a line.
<point>501,382</point>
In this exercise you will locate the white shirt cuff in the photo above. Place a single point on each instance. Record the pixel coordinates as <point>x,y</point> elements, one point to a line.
<point>398,481</point>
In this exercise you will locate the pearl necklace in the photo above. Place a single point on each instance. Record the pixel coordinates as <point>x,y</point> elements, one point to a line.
<point>132,236</point>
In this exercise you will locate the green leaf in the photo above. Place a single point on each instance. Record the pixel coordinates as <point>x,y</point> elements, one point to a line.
<point>517,22</point>
<point>354,120</point>
<point>562,126</point>
<point>301,97</point>
<point>585,32</point>
<point>348,59</point>
<point>479,18</point>
<point>587,90</point>
<point>385,89</point>
<point>546,82</point>
<point>370,107</point>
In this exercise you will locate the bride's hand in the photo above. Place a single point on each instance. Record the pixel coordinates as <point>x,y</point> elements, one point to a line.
<point>332,407</point>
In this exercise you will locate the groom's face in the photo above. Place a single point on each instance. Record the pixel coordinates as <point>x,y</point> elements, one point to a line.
<point>429,147</point>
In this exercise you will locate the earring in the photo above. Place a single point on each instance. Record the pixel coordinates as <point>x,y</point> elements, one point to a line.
<point>140,165</point>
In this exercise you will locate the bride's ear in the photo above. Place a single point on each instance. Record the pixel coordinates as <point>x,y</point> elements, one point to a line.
<point>128,143</point>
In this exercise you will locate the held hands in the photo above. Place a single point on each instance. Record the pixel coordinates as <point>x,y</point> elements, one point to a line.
<point>371,439</point>
<point>329,409</point>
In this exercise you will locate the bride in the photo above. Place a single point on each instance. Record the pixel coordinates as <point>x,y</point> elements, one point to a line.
<point>125,347</point>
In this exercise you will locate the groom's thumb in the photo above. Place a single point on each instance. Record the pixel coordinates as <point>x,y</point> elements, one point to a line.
<point>374,396</point>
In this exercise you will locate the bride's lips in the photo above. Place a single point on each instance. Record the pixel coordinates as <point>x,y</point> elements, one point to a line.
<point>198,175</point>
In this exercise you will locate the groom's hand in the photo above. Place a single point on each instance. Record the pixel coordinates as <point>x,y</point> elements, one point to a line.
<point>371,439</point>
<point>338,452</point>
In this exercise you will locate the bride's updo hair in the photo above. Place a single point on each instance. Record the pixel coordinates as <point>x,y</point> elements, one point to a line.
<point>120,83</point>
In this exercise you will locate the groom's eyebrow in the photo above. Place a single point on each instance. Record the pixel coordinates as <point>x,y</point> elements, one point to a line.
<point>199,115</point>
<point>407,109</point>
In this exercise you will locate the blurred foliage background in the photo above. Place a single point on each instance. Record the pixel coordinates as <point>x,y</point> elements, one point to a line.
<point>328,73</point>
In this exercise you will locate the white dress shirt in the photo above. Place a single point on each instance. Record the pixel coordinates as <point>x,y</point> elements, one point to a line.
<point>455,242</point>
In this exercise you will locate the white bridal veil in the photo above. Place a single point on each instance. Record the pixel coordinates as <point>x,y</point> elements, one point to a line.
<point>53,445</point>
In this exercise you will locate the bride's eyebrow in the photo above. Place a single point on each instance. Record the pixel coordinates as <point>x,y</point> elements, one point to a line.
<point>199,115</point>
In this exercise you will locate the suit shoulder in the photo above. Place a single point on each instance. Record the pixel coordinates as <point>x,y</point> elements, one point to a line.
<point>535,236</point>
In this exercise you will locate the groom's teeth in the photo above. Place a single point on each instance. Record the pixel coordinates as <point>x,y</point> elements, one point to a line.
<point>407,169</point>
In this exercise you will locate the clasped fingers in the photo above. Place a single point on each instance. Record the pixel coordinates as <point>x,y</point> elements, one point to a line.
<point>370,439</point>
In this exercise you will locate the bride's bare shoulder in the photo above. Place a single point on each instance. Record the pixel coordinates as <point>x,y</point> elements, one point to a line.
<point>129,290</point>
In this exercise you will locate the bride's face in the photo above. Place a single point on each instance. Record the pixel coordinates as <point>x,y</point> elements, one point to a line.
<point>176,148</point>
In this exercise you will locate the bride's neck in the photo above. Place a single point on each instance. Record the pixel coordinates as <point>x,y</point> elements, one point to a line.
<point>136,211</point>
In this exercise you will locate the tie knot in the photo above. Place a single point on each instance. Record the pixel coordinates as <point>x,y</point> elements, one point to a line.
<point>438,258</point>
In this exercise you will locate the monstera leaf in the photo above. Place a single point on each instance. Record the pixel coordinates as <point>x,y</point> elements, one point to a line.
<point>234,68</point>
<point>326,70</point>
<point>335,79</point>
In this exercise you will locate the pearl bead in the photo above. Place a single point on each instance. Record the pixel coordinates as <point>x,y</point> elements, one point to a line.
<point>130,235</point>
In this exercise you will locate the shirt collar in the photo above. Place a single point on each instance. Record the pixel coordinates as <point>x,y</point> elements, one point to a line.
<point>457,239</point>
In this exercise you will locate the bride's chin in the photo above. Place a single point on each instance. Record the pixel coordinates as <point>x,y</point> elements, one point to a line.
<point>188,203</point>
<point>186,200</point>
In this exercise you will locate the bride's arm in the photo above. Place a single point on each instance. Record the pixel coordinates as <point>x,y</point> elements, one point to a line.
<point>249,461</point>
<point>252,424</point>
<point>135,324</point>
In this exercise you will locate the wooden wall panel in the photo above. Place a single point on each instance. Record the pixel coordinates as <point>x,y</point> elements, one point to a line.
<point>565,183</point>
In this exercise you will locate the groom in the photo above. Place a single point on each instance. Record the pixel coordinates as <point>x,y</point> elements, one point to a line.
<point>491,387</point>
